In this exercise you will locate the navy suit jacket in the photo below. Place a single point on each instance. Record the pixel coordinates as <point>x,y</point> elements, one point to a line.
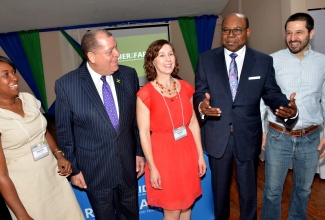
<point>86,134</point>
<point>257,80</point>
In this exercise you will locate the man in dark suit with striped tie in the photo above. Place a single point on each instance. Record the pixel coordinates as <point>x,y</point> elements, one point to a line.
<point>230,82</point>
<point>96,128</point>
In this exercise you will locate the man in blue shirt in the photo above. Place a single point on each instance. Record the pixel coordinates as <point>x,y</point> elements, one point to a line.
<point>302,70</point>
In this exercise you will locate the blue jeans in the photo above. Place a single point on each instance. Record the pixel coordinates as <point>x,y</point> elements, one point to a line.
<point>280,150</point>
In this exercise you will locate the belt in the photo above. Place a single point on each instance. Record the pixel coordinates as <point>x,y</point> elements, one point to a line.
<point>296,133</point>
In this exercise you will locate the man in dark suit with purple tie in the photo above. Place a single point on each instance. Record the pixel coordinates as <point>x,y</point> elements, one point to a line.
<point>96,128</point>
<point>230,82</point>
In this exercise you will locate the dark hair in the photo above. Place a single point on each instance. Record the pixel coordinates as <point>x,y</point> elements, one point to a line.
<point>151,53</point>
<point>89,41</point>
<point>240,16</point>
<point>7,61</point>
<point>301,17</point>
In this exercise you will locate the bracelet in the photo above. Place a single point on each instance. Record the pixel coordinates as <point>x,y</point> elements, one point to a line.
<point>56,151</point>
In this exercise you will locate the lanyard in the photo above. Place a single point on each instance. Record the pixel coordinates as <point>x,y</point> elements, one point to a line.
<point>180,100</point>
<point>42,123</point>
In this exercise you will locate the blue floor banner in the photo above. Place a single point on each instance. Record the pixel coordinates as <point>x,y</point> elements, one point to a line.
<point>202,209</point>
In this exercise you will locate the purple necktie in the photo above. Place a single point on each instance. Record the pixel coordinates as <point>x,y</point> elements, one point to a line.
<point>233,75</point>
<point>109,103</point>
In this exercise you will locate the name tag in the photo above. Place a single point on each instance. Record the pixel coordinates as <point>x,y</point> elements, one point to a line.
<point>179,133</point>
<point>40,150</point>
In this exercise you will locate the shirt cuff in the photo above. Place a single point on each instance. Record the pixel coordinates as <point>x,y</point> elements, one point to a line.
<point>202,115</point>
<point>286,119</point>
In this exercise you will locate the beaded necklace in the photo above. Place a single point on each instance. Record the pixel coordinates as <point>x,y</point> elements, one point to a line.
<point>167,91</point>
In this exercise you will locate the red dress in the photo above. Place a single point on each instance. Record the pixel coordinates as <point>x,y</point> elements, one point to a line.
<point>176,161</point>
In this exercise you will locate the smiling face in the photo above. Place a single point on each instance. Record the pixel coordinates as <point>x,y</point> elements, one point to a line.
<point>165,61</point>
<point>104,59</point>
<point>8,81</point>
<point>298,37</point>
<point>231,41</point>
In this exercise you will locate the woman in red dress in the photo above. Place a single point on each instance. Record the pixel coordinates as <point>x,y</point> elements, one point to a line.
<point>170,135</point>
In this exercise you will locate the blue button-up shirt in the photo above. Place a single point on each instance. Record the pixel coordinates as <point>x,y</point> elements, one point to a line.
<point>305,77</point>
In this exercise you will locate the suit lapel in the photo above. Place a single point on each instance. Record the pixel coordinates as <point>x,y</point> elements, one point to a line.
<point>93,95</point>
<point>221,67</point>
<point>118,82</point>
<point>247,69</point>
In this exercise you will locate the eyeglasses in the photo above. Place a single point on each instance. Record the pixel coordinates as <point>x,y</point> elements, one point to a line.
<point>236,31</point>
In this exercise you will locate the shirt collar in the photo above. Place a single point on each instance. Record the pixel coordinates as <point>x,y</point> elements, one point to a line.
<point>306,53</point>
<point>240,52</point>
<point>95,76</point>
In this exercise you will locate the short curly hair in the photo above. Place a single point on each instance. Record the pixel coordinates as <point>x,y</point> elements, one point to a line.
<point>151,53</point>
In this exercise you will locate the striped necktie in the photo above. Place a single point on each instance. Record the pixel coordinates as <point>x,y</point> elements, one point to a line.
<point>233,75</point>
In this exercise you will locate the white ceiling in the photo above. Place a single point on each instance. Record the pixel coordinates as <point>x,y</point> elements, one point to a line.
<point>17,15</point>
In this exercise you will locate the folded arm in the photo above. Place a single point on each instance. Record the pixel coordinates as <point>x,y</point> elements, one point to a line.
<point>195,129</point>
<point>143,119</point>
<point>64,127</point>
<point>8,190</point>
<point>64,166</point>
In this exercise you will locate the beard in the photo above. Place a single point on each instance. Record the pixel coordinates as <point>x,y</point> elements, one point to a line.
<point>298,46</point>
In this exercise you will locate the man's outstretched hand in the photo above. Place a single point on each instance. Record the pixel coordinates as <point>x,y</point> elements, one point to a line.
<point>208,110</point>
<point>290,111</point>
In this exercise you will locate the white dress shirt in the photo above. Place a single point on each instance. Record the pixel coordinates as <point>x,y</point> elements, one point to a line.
<point>239,59</point>
<point>99,85</point>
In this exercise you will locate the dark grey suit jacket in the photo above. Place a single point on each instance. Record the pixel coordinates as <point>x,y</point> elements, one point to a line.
<point>257,80</point>
<point>86,134</point>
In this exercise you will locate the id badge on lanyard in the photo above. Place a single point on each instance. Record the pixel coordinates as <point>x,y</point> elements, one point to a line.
<point>40,150</point>
<point>179,133</point>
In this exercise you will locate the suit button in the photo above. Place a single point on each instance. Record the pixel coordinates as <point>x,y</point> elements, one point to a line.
<point>233,107</point>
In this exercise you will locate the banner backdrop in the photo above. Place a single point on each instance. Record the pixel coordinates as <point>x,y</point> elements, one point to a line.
<point>203,207</point>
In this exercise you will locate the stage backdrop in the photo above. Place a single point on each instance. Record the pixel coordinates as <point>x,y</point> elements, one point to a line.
<point>202,210</point>
<point>133,43</point>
